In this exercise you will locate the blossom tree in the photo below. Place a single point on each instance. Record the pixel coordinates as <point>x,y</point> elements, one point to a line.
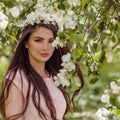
<point>93,28</point>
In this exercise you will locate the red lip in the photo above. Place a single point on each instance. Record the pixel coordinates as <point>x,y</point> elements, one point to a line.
<point>44,54</point>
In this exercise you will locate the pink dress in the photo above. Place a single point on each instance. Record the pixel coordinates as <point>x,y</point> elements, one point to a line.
<point>56,95</point>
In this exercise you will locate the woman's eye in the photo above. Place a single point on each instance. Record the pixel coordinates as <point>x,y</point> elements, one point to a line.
<point>51,41</point>
<point>38,40</point>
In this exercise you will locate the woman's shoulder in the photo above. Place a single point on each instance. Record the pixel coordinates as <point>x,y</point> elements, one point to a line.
<point>17,77</point>
<point>14,74</point>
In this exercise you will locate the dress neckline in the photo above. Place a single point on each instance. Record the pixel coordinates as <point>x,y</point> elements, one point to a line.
<point>48,77</point>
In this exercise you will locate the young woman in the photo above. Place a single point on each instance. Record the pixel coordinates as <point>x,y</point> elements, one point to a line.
<point>29,92</point>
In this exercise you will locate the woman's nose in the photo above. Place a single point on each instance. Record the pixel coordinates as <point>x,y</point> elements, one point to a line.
<point>45,46</point>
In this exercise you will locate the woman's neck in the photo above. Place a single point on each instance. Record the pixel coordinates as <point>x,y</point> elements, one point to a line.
<point>40,69</point>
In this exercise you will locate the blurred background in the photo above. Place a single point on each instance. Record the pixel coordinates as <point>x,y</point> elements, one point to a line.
<point>98,47</point>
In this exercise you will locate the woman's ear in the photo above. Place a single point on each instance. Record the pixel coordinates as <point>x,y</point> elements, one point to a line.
<point>26,44</point>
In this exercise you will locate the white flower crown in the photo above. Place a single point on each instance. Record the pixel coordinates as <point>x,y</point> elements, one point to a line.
<point>49,12</point>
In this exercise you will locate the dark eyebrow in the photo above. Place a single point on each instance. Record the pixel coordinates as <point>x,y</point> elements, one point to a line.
<point>38,37</point>
<point>52,38</point>
<point>43,38</point>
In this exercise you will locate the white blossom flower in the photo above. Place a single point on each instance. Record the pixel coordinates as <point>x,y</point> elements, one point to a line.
<point>69,66</point>
<point>109,56</point>
<point>94,9</point>
<point>106,31</point>
<point>114,21</point>
<point>98,1</point>
<point>70,12</point>
<point>115,88</point>
<point>15,11</point>
<point>61,79</point>
<point>3,21</point>
<point>63,71</point>
<point>102,114</point>
<point>94,66</point>
<point>70,24</point>
<point>105,98</point>
<point>73,46</point>
<point>70,20</point>
<point>76,2</point>
<point>66,58</point>
<point>57,81</point>
<point>57,43</point>
<point>107,91</point>
<point>21,0</point>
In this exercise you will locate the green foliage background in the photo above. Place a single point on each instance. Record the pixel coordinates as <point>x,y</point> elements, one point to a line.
<point>97,51</point>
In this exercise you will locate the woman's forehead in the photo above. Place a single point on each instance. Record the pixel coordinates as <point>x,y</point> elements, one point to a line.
<point>41,32</point>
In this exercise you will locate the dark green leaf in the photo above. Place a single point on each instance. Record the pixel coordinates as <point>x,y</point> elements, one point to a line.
<point>92,33</point>
<point>91,15</point>
<point>66,4</point>
<point>118,33</point>
<point>93,80</point>
<point>112,100</point>
<point>8,3</point>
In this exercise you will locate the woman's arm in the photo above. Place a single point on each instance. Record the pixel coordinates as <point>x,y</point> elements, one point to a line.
<point>14,104</point>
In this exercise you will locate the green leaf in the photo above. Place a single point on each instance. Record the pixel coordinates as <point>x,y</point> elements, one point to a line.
<point>63,36</point>
<point>113,39</point>
<point>92,33</point>
<point>116,112</point>
<point>84,3</point>
<point>81,28</point>
<point>4,62</point>
<point>101,26</point>
<point>117,102</point>
<point>91,15</point>
<point>75,83</point>
<point>97,55</point>
<point>70,2</point>
<point>112,100</point>
<point>61,6</point>
<point>77,53</point>
<point>76,38</point>
<point>5,1</point>
<point>118,33</point>
<point>84,69</point>
<point>95,46</point>
<point>103,35</point>
<point>94,80</point>
<point>66,4</point>
<point>8,3</point>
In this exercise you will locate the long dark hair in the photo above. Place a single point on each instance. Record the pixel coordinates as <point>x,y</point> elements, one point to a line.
<point>20,61</point>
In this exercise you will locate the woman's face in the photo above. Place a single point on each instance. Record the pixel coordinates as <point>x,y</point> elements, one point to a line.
<point>39,45</point>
